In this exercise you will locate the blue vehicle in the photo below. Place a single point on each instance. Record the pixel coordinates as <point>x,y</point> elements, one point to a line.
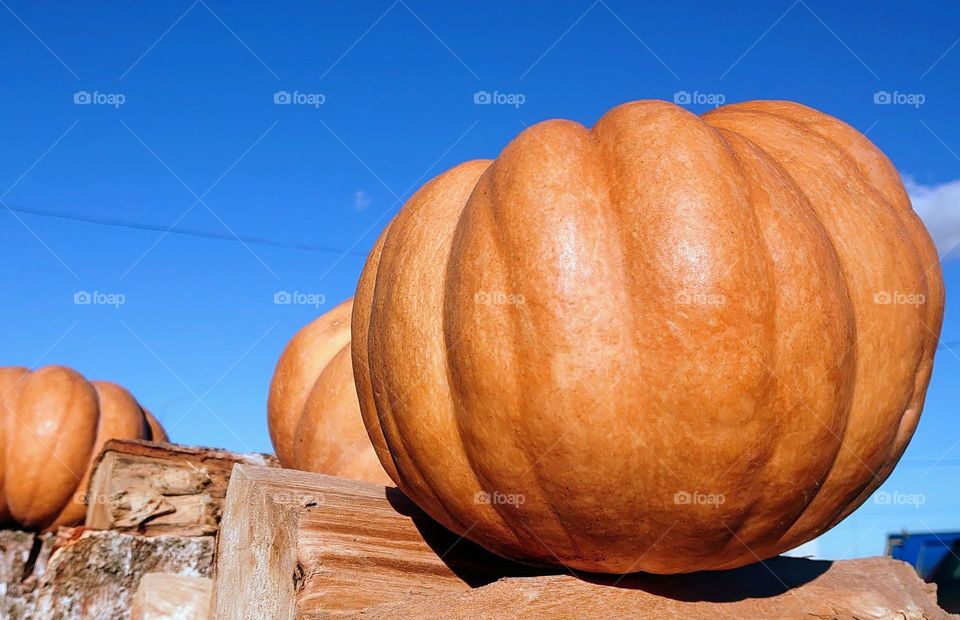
<point>936,558</point>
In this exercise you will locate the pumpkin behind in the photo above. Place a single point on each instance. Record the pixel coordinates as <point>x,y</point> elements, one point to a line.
<point>312,410</point>
<point>53,423</point>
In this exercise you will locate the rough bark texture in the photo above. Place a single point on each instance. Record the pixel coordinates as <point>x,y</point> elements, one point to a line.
<point>153,488</point>
<point>295,543</point>
<point>168,596</point>
<point>870,588</point>
<point>81,573</point>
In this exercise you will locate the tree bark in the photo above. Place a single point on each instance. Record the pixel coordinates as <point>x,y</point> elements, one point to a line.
<point>81,573</point>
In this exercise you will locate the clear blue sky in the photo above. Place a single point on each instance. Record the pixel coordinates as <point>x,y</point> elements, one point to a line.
<point>194,140</point>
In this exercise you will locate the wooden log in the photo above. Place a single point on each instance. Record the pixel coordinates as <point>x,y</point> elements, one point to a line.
<point>82,573</point>
<point>169,596</point>
<point>160,488</point>
<point>792,588</point>
<point>17,556</point>
<point>296,544</point>
<point>300,545</point>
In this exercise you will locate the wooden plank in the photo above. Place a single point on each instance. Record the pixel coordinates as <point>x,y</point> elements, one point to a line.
<point>160,488</point>
<point>169,596</point>
<point>296,544</point>
<point>791,588</point>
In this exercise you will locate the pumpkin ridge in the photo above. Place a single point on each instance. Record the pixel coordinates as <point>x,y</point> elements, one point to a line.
<point>360,326</point>
<point>775,211</point>
<point>483,187</point>
<point>863,413</point>
<point>914,238</point>
<point>437,204</point>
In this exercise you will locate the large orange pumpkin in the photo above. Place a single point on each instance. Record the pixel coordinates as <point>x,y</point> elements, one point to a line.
<point>667,343</point>
<point>53,423</point>
<point>312,411</point>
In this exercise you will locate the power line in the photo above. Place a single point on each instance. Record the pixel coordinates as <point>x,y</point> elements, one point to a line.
<point>186,232</point>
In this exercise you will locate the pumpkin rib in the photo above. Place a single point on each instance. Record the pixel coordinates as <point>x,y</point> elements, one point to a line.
<point>400,309</point>
<point>483,215</point>
<point>638,131</point>
<point>877,171</point>
<point>788,137</point>
<point>359,355</point>
<point>58,400</point>
<point>814,247</point>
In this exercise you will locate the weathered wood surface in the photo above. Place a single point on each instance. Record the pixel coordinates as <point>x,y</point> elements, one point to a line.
<point>169,596</point>
<point>160,488</point>
<point>296,544</point>
<point>301,545</point>
<point>82,573</point>
<point>791,588</point>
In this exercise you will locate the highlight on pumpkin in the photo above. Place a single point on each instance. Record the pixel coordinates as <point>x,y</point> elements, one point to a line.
<point>53,423</point>
<point>312,410</point>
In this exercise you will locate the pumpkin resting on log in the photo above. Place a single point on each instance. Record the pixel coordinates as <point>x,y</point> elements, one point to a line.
<point>668,343</point>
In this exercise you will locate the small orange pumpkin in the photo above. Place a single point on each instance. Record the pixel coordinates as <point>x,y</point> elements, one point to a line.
<point>312,411</point>
<point>668,343</point>
<point>53,423</point>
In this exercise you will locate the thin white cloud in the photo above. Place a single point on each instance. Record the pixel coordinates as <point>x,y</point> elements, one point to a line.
<point>939,208</point>
<point>361,201</point>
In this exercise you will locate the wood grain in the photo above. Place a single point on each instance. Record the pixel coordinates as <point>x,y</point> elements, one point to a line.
<point>294,544</point>
<point>169,596</point>
<point>161,488</point>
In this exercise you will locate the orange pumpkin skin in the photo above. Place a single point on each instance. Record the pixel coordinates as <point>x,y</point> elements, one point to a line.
<point>312,410</point>
<point>659,344</point>
<point>54,423</point>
